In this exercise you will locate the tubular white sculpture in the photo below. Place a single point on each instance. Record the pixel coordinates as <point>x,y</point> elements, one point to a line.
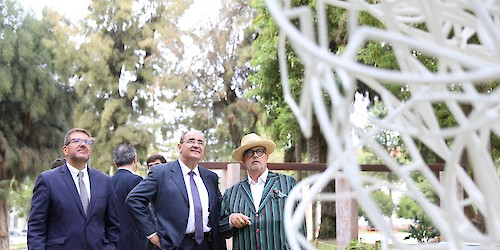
<point>461,66</point>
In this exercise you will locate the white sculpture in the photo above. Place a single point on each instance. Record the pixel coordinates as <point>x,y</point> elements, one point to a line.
<point>461,65</point>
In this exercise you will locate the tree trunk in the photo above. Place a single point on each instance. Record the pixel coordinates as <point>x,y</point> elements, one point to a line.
<point>474,216</point>
<point>4,209</point>
<point>298,156</point>
<point>4,224</point>
<point>317,153</point>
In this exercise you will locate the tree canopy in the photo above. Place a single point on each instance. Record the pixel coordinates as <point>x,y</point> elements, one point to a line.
<point>36,100</point>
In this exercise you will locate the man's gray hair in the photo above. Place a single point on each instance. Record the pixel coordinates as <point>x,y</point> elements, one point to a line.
<point>124,154</point>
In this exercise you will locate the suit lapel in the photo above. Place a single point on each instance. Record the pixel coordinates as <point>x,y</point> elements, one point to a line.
<point>93,191</point>
<point>247,193</point>
<point>271,182</point>
<point>70,183</point>
<point>176,175</point>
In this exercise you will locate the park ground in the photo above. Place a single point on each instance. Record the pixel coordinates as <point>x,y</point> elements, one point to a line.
<point>369,237</point>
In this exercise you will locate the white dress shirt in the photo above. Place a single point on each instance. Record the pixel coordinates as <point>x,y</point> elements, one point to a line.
<point>128,169</point>
<point>202,190</point>
<point>74,174</point>
<point>257,188</point>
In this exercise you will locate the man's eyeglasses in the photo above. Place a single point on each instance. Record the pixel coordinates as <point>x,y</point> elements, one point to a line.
<point>79,141</point>
<point>249,152</point>
<point>193,141</point>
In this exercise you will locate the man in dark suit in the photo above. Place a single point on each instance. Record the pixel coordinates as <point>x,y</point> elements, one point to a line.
<point>70,210</point>
<point>186,201</point>
<point>252,210</point>
<point>124,180</point>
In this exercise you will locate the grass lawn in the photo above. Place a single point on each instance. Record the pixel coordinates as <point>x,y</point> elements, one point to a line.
<point>19,246</point>
<point>326,244</point>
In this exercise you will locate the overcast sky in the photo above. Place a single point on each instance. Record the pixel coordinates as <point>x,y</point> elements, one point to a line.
<point>74,9</point>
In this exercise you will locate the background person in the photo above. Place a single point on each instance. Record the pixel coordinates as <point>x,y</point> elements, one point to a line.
<point>252,210</point>
<point>68,213</point>
<point>155,159</point>
<point>124,180</point>
<point>152,160</point>
<point>168,187</point>
<point>57,162</point>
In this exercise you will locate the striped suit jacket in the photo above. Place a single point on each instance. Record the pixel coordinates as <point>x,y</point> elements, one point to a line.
<point>266,230</point>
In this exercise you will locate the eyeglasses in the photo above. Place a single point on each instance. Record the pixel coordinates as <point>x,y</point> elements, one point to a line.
<point>193,141</point>
<point>79,141</point>
<point>249,152</point>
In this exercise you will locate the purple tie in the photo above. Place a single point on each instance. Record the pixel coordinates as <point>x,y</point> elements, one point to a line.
<point>198,218</point>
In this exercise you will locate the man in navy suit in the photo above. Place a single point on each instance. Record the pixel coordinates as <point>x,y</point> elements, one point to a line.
<point>169,188</point>
<point>124,180</point>
<point>71,211</point>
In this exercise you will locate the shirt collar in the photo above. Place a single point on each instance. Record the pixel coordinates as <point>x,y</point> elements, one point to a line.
<point>186,170</point>
<point>262,178</point>
<point>130,170</point>
<point>74,171</point>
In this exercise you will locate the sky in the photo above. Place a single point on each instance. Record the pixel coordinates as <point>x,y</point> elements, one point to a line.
<point>77,9</point>
<point>73,9</point>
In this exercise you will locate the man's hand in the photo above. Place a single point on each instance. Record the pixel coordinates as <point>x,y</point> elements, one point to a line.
<point>238,220</point>
<point>156,241</point>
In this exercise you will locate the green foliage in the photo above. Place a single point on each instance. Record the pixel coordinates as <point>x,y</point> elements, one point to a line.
<point>214,86</point>
<point>383,201</point>
<point>409,208</point>
<point>423,230</point>
<point>359,245</point>
<point>282,121</point>
<point>20,199</point>
<point>118,68</point>
<point>36,102</point>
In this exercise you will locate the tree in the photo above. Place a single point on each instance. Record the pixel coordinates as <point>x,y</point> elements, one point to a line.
<point>35,101</point>
<point>378,54</point>
<point>423,230</point>
<point>281,121</point>
<point>212,88</point>
<point>119,66</point>
<point>384,203</point>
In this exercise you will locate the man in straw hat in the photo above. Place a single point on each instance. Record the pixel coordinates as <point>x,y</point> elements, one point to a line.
<point>252,210</point>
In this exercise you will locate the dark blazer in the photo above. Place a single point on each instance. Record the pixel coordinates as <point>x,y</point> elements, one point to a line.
<point>164,187</point>
<point>123,182</point>
<point>267,231</point>
<point>57,220</point>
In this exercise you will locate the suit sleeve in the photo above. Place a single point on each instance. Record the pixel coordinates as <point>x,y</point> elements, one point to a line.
<point>37,222</point>
<point>224,226</point>
<point>137,204</point>
<point>291,183</point>
<point>112,225</point>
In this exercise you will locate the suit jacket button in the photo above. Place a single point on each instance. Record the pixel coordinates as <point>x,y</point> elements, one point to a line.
<point>257,230</point>
<point>257,216</point>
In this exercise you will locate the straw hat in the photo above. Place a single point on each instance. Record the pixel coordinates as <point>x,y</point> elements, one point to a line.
<point>250,141</point>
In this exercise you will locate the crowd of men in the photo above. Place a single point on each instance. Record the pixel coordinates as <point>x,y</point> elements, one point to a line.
<point>178,205</point>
